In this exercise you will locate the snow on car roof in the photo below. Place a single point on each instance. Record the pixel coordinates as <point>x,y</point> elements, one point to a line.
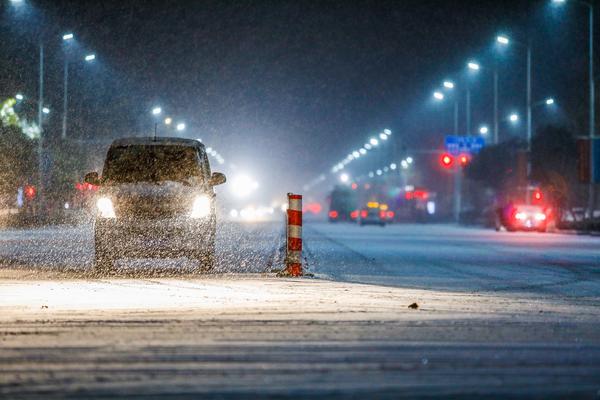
<point>149,141</point>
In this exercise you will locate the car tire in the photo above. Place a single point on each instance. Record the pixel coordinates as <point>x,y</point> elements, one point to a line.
<point>103,262</point>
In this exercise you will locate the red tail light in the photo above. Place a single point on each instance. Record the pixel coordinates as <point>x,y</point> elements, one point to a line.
<point>333,214</point>
<point>363,214</point>
<point>390,214</point>
<point>382,214</point>
<point>354,214</point>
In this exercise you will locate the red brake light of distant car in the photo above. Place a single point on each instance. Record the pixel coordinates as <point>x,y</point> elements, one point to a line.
<point>354,186</point>
<point>363,214</point>
<point>354,214</point>
<point>382,214</point>
<point>333,214</point>
<point>421,194</point>
<point>390,214</point>
<point>537,196</point>
<point>409,195</point>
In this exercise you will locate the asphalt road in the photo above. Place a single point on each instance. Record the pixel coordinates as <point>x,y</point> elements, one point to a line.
<point>505,315</point>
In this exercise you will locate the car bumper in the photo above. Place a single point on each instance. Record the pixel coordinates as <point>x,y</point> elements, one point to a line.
<point>154,236</point>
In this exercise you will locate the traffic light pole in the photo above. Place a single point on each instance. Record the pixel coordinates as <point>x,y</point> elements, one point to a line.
<point>457,191</point>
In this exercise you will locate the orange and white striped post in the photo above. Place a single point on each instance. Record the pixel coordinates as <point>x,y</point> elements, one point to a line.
<point>293,258</point>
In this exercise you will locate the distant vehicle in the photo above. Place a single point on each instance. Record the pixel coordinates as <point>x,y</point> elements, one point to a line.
<point>522,217</point>
<point>155,198</point>
<point>373,214</point>
<point>342,205</point>
<point>524,208</point>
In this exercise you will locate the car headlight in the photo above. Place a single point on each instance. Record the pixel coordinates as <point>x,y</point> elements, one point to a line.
<point>540,217</point>
<point>520,216</point>
<point>105,207</point>
<point>201,207</point>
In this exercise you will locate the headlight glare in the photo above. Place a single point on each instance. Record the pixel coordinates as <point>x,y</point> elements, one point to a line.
<point>105,207</point>
<point>201,207</point>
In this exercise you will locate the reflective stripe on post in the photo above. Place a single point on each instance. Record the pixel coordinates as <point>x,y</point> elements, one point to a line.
<point>294,235</point>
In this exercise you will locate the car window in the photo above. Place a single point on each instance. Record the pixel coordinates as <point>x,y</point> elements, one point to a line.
<point>152,163</point>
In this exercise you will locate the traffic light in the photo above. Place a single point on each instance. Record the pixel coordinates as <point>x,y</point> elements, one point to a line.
<point>537,196</point>
<point>446,160</point>
<point>30,192</point>
<point>464,160</point>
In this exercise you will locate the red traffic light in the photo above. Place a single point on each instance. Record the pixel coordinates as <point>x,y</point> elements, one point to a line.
<point>446,160</point>
<point>537,195</point>
<point>464,159</point>
<point>30,192</point>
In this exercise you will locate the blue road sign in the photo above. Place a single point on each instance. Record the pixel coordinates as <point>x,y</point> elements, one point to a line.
<point>456,145</point>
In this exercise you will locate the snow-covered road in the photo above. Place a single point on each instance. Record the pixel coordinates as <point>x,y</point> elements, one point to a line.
<point>499,314</point>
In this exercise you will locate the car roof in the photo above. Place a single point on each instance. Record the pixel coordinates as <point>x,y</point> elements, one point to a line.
<point>159,141</point>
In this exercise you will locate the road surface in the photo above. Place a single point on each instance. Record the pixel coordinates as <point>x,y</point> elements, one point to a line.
<point>498,314</point>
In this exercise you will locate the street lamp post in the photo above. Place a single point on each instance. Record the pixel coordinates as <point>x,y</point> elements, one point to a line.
<point>592,100</point>
<point>503,40</point>
<point>472,66</point>
<point>41,127</point>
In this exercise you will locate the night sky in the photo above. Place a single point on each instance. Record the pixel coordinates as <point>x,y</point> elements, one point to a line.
<point>287,88</point>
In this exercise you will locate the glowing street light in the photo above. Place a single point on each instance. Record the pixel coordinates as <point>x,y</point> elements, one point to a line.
<point>473,66</point>
<point>383,136</point>
<point>90,57</point>
<point>19,97</point>
<point>514,117</point>
<point>68,36</point>
<point>156,111</point>
<point>549,101</point>
<point>449,85</point>
<point>484,130</point>
<point>46,110</point>
<point>387,132</point>
<point>180,126</point>
<point>168,121</point>
<point>409,160</point>
<point>438,95</point>
<point>502,39</point>
<point>374,142</point>
<point>344,178</point>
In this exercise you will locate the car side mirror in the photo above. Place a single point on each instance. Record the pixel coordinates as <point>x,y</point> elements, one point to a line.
<point>217,178</point>
<point>92,178</point>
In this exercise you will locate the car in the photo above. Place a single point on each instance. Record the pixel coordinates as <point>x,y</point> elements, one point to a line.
<point>521,217</point>
<point>155,199</point>
<point>372,215</point>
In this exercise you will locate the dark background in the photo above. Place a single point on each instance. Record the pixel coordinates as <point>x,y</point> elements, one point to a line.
<point>285,89</point>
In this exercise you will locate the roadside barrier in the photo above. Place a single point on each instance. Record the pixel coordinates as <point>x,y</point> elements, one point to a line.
<point>293,259</point>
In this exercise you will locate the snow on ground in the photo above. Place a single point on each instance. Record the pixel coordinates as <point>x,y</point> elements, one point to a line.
<point>498,314</point>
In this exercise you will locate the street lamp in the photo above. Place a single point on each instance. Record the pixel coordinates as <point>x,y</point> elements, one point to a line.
<point>168,121</point>
<point>68,36</point>
<point>46,110</point>
<point>448,84</point>
<point>373,142</point>
<point>505,41</point>
<point>90,57</point>
<point>180,127</point>
<point>19,97</point>
<point>473,67</point>
<point>156,111</point>
<point>438,95</point>
<point>549,101</point>
<point>484,130</point>
<point>514,118</point>
<point>344,178</point>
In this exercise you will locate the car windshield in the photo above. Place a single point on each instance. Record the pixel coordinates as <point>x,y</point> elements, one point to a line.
<point>152,163</point>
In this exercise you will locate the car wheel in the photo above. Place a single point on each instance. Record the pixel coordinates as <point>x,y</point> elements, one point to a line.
<point>103,261</point>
